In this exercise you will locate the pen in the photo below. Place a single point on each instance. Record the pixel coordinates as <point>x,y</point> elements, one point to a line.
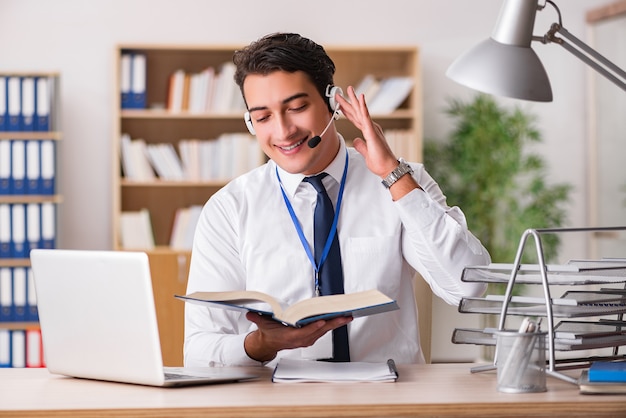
<point>392,367</point>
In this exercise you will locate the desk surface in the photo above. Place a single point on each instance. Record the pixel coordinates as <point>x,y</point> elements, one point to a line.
<point>422,390</point>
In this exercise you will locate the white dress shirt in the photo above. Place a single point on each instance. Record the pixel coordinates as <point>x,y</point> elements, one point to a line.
<point>246,240</point>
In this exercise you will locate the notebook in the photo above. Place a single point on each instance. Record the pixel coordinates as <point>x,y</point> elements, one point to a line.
<point>98,320</point>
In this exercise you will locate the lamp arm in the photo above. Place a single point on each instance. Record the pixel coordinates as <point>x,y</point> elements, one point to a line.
<point>594,59</point>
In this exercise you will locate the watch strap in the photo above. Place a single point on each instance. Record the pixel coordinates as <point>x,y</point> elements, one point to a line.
<point>402,169</point>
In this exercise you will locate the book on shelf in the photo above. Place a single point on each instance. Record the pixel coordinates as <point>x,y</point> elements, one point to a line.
<point>607,371</point>
<point>136,230</point>
<point>184,228</point>
<point>134,156</point>
<point>296,370</point>
<point>357,304</point>
<point>390,95</point>
<point>210,90</point>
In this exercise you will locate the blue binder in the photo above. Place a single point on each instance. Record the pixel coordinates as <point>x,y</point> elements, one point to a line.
<point>43,104</point>
<point>6,294</point>
<point>5,230</point>
<point>5,348</point>
<point>14,104</point>
<point>3,104</point>
<point>33,166</point>
<point>33,226</point>
<point>18,166</point>
<point>19,246</point>
<point>19,294</point>
<point>48,227</point>
<point>138,82</point>
<point>125,71</point>
<point>32,312</point>
<point>27,113</point>
<point>48,167</point>
<point>5,166</point>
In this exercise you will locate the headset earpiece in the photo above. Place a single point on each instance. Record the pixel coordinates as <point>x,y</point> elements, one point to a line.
<point>331,91</point>
<point>248,120</point>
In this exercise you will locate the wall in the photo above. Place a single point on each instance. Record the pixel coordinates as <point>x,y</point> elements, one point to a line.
<point>77,38</point>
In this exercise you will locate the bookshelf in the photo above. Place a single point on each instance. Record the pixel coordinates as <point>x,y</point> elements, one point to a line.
<point>29,136</point>
<point>155,122</point>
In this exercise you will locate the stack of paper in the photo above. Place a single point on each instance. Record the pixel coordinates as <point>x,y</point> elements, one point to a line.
<point>292,371</point>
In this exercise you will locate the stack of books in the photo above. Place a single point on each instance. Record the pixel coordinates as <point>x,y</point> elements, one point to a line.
<point>604,377</point>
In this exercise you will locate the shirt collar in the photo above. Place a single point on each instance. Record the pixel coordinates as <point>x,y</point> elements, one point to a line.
<point>334,169</point>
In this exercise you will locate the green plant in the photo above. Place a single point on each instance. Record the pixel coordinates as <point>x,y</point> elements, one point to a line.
<point>486,169</point>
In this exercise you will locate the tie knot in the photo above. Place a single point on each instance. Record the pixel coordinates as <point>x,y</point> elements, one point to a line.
<point>316,182</point>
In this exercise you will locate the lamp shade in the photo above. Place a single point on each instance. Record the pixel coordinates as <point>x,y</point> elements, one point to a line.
<point>505,64</point>
<point>503,70</point>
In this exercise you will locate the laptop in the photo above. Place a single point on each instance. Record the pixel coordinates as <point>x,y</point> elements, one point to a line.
<point>98,320</point>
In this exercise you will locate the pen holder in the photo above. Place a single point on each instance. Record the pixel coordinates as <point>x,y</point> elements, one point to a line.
<point>521,361</point>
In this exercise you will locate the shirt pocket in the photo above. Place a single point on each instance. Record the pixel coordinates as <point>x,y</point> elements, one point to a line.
<point>373,263</point>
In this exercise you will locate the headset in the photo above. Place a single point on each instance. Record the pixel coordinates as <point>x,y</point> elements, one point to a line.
<point>330,93</point>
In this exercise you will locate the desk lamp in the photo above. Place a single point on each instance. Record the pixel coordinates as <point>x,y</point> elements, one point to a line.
<point>506,65</point>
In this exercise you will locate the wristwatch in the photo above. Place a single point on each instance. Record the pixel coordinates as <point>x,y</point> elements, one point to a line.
<point>402,169</point>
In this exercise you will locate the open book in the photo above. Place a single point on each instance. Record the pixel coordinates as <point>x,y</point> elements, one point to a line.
<point>357,304</point>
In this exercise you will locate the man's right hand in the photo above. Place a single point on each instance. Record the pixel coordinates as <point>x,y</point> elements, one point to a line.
<point>265,342</point>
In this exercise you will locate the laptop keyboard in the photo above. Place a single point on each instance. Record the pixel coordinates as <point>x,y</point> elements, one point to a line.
<point>175,376</point>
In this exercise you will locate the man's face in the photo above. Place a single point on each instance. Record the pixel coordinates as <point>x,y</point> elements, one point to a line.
<point>286,111</point>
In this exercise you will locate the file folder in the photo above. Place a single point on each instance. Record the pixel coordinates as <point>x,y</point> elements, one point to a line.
<point>5,230</point>
<point>3,104</point>
<point>32,313</point>
<point>125,76</point>
<point>33,166</point>
<point>48,227</point>
<point>18,167</point>
<point>28,104</point>
<point>5,348</point>
<point>33,226</point>
<point>5,166</point>
<point>138,82</point>
<point>48,167</point>
<point>14,104</point>
<point>18,348</point>
<point>6,294</point>
<point>18,231</point>
<point>43,104</point>
<point>19,294</point>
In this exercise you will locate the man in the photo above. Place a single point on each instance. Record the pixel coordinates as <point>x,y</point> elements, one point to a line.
<point>257,233</point>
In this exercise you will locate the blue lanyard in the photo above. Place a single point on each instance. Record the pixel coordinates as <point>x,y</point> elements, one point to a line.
<point>333,228</point>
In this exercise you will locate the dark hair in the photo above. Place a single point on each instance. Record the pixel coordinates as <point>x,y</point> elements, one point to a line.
<point>288,52</point>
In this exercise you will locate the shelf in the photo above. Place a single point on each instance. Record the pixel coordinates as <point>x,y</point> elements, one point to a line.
<point>14,262</point>
<point>33,198</point>
<point>19,325</point>
<point>56,136</point>
<point>166,114</point>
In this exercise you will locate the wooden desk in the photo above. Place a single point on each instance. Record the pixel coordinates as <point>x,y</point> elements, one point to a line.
<point>423,390</point>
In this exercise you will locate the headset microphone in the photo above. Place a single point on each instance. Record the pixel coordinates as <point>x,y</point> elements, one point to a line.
<point>330,93</point>
<point>315,141</point>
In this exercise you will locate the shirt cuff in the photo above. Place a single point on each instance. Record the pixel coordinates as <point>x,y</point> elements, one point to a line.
<point>235,353</point>
<point>418,202</point>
